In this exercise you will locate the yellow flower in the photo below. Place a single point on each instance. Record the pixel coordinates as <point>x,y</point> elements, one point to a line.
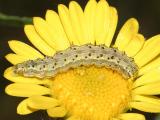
<point>86,93</point>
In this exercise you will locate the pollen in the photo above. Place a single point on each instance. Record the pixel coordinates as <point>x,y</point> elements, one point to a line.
<point>92,93</point>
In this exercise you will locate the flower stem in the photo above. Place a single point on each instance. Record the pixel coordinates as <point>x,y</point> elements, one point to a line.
<point>14,21</point>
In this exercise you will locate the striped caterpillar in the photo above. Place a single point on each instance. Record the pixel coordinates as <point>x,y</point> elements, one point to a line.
<point>75,56</point>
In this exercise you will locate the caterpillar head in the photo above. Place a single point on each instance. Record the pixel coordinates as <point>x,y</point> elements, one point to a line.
<point>29,69</point>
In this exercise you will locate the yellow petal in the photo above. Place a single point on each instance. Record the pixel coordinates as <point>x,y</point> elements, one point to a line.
<point>149,89</point>
<point>113,19</point>
<point>10,75</point>
<point>150,99</point>
<point>145,106</point>
<point>57,112</point>
<point>73,118</point>
<point>23,109</point>
<point>147,42</point>
<point>37,41</point>
<point>42,102</point>
<point>77,19</point>
<point>150,66</point>
<point>149,52</point>
<point>57,30</point>
<point>23,49</point>
<point>150,77</point>
<point>42,29</point>
<point>102,18</point>
<point>134,45</point>
<point>66,22</point>
<point>129,30</point>
<point>115,119</point>
<point>89,14</point>
<point>15,59</point>
<point>26,90</point>
<point>131,116</point>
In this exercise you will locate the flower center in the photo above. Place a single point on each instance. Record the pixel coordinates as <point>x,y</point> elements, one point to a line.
<point>92,93</point>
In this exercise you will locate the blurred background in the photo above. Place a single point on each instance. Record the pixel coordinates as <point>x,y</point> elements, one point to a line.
<point>146,11</point>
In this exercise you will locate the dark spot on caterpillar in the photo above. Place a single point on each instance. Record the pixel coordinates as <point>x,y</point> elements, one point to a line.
<point>65,59</point>
<point>101,55</point>
<point>97,56</point>
<point>76,56</point>
<point>33,66</point>
<point>74,48</point>
<point>53,67</point>
<point>102,47</point>
<point>112,57</point>
<point>108,58</point>
<point>89,46</point>
<point>28,66</point>
<point>115,50</point>
<point>86,57</point>
<point>61,53</point>
<point>118,61</point>
<point>44,66</point>
<point>73,59</point>
<point>55,64</point>
<point>89,54</point>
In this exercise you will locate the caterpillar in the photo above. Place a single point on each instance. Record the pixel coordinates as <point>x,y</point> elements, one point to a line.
<point>75,56</point>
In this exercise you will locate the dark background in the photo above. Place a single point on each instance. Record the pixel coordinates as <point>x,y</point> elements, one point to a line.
<point>146,11</point>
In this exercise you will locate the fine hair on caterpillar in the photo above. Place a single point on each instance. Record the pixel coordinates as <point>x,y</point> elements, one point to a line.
<point>75,56</point>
